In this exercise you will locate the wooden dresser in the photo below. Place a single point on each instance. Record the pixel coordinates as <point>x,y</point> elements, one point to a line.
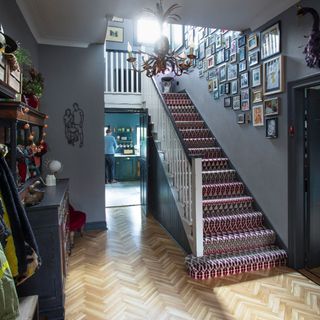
<point>49,221</point>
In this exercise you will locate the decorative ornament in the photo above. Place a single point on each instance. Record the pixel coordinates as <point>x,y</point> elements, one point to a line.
<point>312,48</point>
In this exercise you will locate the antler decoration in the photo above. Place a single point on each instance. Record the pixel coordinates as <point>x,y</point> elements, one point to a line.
<point>312,48</point>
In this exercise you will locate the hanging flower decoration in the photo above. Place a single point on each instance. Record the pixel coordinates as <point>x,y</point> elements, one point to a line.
<point>312,48</point>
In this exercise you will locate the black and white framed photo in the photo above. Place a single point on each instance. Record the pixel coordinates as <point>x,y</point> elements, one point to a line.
<point>218,40</point>
<point>219,56</point>
<point>270,41</point>
<point>114,34</point>
<point>245,99</point>
<point>242,66</point>
<point>241,118</point>
<point>242,41</point>
<point>216,95</point>
<point>256,77</point>
<point>227,41</point>
<point>202,51</point>
<point>272,128</point>
<point>222,73</point>
<point>226,55</point>
<point>233,47</point>
<point>215,83</point>
<point>256,95</point>
<point>242,53</point>
<point>236,103</point>
<point>227,88</point>
<point>244,80</point>
<point>273,75</point>
<point>234,87</point>
<point>252,41</point>
<point>221,89</point>
<point>233,58</point>
<point>227,102</point>
<point>232,72</point>
<point>271,106</point>
<point>253,58</point>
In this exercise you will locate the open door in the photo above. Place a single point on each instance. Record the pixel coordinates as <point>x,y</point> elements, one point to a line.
<point>144,123</point>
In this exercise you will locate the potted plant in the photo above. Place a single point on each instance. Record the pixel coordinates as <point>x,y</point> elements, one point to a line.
<point>32,87</point>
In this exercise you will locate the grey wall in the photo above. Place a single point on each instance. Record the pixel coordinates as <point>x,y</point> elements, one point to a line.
<point>77,75</point>
<point>262,163</point>
<point>15,26</point>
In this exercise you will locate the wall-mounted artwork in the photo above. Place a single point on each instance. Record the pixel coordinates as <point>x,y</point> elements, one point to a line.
<point>242,66</point>
<point>272,128</point>
<point>244,80</point>
<point>232,72</point>
<point>270,41</point>
<point>114,34</point>
<point>273,75</point>
<point>253,58</point>
<point>227,102</point>
<point>222,73</point>
<point>271,106</point>
<point>241,118</point>
<point>236,105</point>
<point>257,116</point>
<point>234,87</point>
<point>252,41</point>
<point>256,95</point>
<point>73,125</point>
<point>242,41</point>
<point>242,53</point>
<point>256,77</point>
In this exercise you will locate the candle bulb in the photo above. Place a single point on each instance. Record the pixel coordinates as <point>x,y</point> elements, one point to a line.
<point>129,50</point>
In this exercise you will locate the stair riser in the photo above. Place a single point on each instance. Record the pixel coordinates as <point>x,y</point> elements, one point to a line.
<point>221,177</point>
<point>191,125</point>
<point>207,154</point>
<point>215,165</point>
<point>194,134</point>
<point>222,191</point>
<point>227,208</point>
<point>183,109</point>
<point>202,143</point>
<point>186,117</point>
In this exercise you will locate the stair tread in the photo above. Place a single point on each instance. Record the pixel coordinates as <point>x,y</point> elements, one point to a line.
<point>241,198</point>
<point>235,216</point>
<point>206,138</point>
<point>215,159</point>
<point>218,171</point>
<point>215,185</point>
<point>239,234</point>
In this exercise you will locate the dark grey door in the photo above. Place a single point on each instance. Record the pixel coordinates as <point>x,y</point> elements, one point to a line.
<point>312,177</point>
<point>144,161</point>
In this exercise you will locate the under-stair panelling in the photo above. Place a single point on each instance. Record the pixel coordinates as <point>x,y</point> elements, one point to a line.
<point>235,239</point>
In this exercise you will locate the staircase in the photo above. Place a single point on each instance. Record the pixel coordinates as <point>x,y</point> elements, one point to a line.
<point>235,239</point>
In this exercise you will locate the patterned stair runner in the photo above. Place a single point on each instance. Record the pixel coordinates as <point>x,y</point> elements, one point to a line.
<point>235,239</point>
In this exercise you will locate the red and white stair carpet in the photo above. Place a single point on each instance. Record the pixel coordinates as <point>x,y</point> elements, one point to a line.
<point>235,239</point>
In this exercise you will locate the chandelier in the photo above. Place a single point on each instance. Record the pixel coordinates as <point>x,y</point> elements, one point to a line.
<point>162,59</point>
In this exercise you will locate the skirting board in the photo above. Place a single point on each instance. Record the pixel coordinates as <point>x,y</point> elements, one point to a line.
<point>98,225</point>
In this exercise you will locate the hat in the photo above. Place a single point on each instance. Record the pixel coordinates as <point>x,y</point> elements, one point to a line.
<point>7,44</point>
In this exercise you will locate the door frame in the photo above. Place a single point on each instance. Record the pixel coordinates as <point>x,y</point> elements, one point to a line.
<point>296,211</point>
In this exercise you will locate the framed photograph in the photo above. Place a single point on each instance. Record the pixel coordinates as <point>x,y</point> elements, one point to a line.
<point>256,95</point>
<point>270,41</point>
<point>241,118</point>
<point>210,62</point>
<point>208,52</point>
<point>205,65</point>
<point>219,56</point>
<point>211,40</point>
<point>257,116</point>
<point>226,55</point>
<point>114,34</point>
<point>242,41</point>
<point>273,75</point>
<point>253,41</point>
<point>245,94</point>
<point>245,105</point>
<point>221,89</point>
<point>253,58</point>
<point>243,66</point>
<point>248,118</point>
<point>218,40</point>
<point>236,103</point>
<point>234,87</point>
<point>227,88</point>
<point>216,95</point>
<point>210,85</point>
<point>242,53</point>
<point>256,76</point>
<point>244,80</point>
<point>272,128</point>
<point>227,102</point>
<point>232,72</point>
<point>227,42</point>
<point>233,58</point>
<point>233,47</point>
<point>202,51</point>
<point>215,83</point>
<point>223,73</point>
<point>271,106</point>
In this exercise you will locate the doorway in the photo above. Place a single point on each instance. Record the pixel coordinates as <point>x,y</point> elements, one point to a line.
<point>128,127</point>
<point>304,178</point>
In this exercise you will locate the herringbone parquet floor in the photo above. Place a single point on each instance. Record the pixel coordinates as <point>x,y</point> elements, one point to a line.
<point>136,271</point>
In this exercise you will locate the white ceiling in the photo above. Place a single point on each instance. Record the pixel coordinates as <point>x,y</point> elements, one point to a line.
<point>81,22</point>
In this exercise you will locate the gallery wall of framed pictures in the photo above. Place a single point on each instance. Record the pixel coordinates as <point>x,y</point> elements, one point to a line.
<point>245,71</point>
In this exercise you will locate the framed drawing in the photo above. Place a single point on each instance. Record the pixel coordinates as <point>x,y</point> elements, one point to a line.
<point>253,58</point>
<point>223,73</point>
<point>256,95</point>
<point>241,118</point>
<point>233,47</point>
<point>242,40</point>
<point>114,34</point>
<point>242,53</point>
<point>221,89</point>
<point>227,102</point>
<point>252,41</point>
<point>271,106</point>
<point>257,116</point>
<point>234,87</point>
<point>272,128</point>
<point>273,75</point>
<point>227,88</point>
<point>219,56</point>
<point>243,66</point>
<point>210,85</point>
<point>215,83</point>
<point>245,94</point>
<point>256,77</point>
<point>216,94</point>
<point>232,72</point>
<point>236,103</point>
<point>270,41</point>
<point>233,58</point>
<point>210,62</point>
<point>244,80</point>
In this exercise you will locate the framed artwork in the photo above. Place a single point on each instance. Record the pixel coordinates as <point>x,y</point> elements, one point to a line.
<point>256,95</point>
<point>208,51</point>
<point>245,105</point>
<point>273,75</point>
<point>200,64</point>
<point>218,40</point>
<point>242,53</point>
<point>272,128</point>
<point>221,89</point>
<point>245,94</point>
<point>271,106</point>
<point>227,88</point>
<point>256,77</point>
<point>210,74</point>
<point>227,102</point>
<point>257,116</point>
<point>219,56</point>
<point>232,72</point>
<point>233,46</point>
<point>201,73</point>
<point>210,62</point>
<point>227,42</point>
<point>248,118</point>
<point>201,51</point>
<point>213,48</point>
<point>114,34</point>
<point>233,58</point>
<point>205,65</point>
<point>234,87</point>
<point>241,118</point>
<point>253,58</point>
<point>253,41</point>
<point>215,83</point>
<point>241,41</point>
<point>243,66</point>
<point>211,40</point>
<point>226,55</point>
<point>216,95</point>
<point>210,85</point>
<point>236,103</point>
<point>223,74</point>
<point>244,80</point>
<point>270,41</point>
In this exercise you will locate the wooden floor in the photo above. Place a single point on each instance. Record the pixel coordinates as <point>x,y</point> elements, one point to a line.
<point>136,271</point>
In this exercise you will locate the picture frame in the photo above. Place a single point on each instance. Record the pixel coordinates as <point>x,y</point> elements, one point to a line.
<point>227,88</point>
<point>233,47</point>
<point>216,95</point>
<point>245,94</point>
<point>218,40</point>
<point>227,102</point>
<point>248,117</point>
<point>215,83</point>
<point>273,75</point>
<point>242,66</point>
<point>253,58</point>
<point>234,86</point>
<point>210,85</point>
<point>210,60</point>
<point>236,102</point>
<point>226,55</point>
<point>242,53</point>
<point>245,105</point>
<point>232,72</point>
<point>257,116</point>
<point>256,76</point>
<point>233,58</point>
<point>270,40</point>
<point>252,41</point>
<point>241,118</point>
<point>202,51</point>
<point>219,57</point>
<point>221,89</point>
<point>208,52</point>
<point>242,41</point>
<point>227,42</point>
<point>223,73</point>
<point>244,80</point>
<point>256,95</point>
<point>272,128</point>
<point>114,34</point>
<point>271,106</point>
